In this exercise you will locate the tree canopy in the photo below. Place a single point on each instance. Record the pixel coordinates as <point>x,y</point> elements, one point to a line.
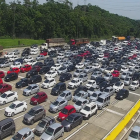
<point>60,19</point>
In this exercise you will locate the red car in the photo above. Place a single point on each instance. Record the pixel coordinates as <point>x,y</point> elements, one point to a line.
<point>39,98</point>
<point>115,73</point>
<point>13,70</point>
<point>5,87</point>
<point>25,68</point>
<point>130,57</point>
<point>1,82</point>
<point>44,53</point>
<point>106,55</point>
<point>37,68</point>
<point>2,74</point>
<point>134,55</point>
<point>66,111</point>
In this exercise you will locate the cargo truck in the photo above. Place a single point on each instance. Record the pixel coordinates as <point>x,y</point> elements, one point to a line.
<point>80,41</point>
<point>118,39</point>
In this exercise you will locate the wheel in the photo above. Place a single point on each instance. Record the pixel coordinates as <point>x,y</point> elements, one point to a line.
<point>80,122</point>
<point>32,121</point>
<point>32,138</point>
<point>4,103</point>
<point>29,94</point>
<point>15,99</point>
<point>12,114</point>
<point>70,128</point>
<point>95,112</point>
<point>62,134</point>
<point>24,109</point>
<point>88,117</point>
<point>43,116</point>
<point>13,132</point>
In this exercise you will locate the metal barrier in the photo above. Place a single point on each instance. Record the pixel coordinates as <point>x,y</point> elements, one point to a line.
<point>120,126</point>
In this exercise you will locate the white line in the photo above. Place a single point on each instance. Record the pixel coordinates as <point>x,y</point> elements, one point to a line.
<point>114,112</point>
<point>2,108</point>
<point>26,99</point>
<point>134,93</point>
<point>55,116</point>
<point>76,131</point>
<point>21,76</point>
<point>18,117</point>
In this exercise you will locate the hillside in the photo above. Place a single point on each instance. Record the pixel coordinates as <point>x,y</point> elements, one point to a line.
<point>54,19</point>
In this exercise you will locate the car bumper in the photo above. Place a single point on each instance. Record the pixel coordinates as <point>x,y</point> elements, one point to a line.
<point>33,103</point>
<point>7,114</point>
<point>38,133</point>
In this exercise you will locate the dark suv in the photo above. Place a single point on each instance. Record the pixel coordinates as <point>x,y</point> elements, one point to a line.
<point>43,124</point>
<point>36,113</point>
<point>7,127</point>
<point>58,88</point>
<point>31,73</point>
<point>35,79</point>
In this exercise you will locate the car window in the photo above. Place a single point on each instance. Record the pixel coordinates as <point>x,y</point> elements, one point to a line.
<point>25,136</point>
<point>62,102</point>
<point>8,125</point>
<point>76,118</point>
<point>19,105</point>
<point>71,110</point>
<point>93,107</point>
<point>10,95</point>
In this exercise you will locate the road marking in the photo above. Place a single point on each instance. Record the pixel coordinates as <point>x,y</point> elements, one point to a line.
<point>3,70</point>
<point>26,99</point>
<point>2,108</point>
<point>114,112</point>
<point>134,93</point>
<point>18,117</point>
<point>76,131</point>
<point>21,76</point>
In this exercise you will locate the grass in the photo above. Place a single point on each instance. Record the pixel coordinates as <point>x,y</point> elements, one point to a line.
<point>11,43</point>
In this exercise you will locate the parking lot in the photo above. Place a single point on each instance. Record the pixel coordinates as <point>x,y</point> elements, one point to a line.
<point>97,127</point>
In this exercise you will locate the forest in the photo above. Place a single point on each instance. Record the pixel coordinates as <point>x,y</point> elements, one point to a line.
<point>60,19</point>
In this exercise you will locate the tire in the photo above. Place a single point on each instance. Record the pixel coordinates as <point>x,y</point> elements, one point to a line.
<point>43,116</point>
<point>12,114</point>
<point>4,103</point>
<point>15,99</point>
<point>88,117</point>
<point>62,134</point>
<point>95,112</point>
<point>32,122</point>
<point>70,129</point>
<point>24,109</point>
<point>80,122</point>
<point>32,138</point>
<point>13,132</point>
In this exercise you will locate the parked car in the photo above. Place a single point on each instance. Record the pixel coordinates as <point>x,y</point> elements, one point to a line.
<point>80,94</point>
<point>115,73</point>
<point>50,82</point>
<point>16,65</point>
<point>10,77</point>
<point>31,89</point>
<point>94,95</point>
<point>122,94</point>
<point>8,96</point>
<point>13,70</point>
<point>118,86</point>
<point>2,74</point>
<point>65,95</point>
<point>36,113</point>
<point>91,83</point>
<point>31,73</point>
<point>74,83</point>
<point>40,57</point>
<point>22,83</point>
<point>15,108</point>
<point>5,64</point>
<point>80,88</point>
<point>44,70</point>
<point>134,135</point>
<point>134,85</point>
<point>65,112</point>
<point>4,88</point>
<point>127,81</point>
<point>71,68</point>
<point>35,79</point>
<point>51,74</point>
<point>25,68</point>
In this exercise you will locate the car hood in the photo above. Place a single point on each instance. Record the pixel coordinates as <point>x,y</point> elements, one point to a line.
<point>84,111</point>
<point>52,106</point>
<point>38,128</point>
<point>130,138</point>
<point>62,116</point>
<point>26,90</point>
<point>27,116</point>
<point>93,98</point>
<point>55,90</point>
<point>2,99</point>
<point>34,99</point>
<point>8,109</point>
<point>65,123</point>
<point>45,136</point>
<point>77,107</point>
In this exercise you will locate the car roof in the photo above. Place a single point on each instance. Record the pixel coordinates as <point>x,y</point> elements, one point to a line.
<point>66,91</point>
<point>47,118</point>
<point>2,122</point>
<point>17,102</point>
<point>55,125</point>
<point>82,99</point>
<point>59,99</point>
<point>24,130</point>
<point>32,85</point>
<point>74,115</point>
<point>136,129</point>
<point>37,107</point>
<point>8,92</point>
<point>41,92</point>
<point>60,83</point>
<point>103,96</point>
<point>91,104</point>
<point>68,107</point>
<point>4,84</point>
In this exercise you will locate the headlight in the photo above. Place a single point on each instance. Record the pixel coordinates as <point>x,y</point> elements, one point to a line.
<point>63,117</point>
<point>35,101</point>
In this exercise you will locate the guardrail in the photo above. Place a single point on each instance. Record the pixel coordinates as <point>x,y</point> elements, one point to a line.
<point>120,126</point>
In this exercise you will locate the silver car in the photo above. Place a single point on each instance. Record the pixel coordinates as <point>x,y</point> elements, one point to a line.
<point>24,134</point>
<point>40,57</point>
<point>65,95</point>
<point>88,69</point>
<point>124,75</point>
<point>83,77</point>
<point>127,81</point>
<point>95,96</point>
<point>96,74</point>
<point>31,89</point>
<point>62,70</point>
<point>80,94</point>
<point>108,76</point>
<point>81,103</point>
<point>109,90</point>
<point>58,105</point>
<point>5,64</point>
<point>87,62</point>
<point>131,71</point>
<point>53,132</point>
<point>103,68</point>
<point>16,52</point>
<point>78,72</point>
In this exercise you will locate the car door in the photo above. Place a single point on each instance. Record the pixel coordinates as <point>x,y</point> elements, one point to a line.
<point>6,129</point>
<point>33,90</point>
<point>76,122</point>
<point>19,108</point>
<point>61,105</point>
<point>10,97</point>
<point>42,98</point>
<point>37,114</point>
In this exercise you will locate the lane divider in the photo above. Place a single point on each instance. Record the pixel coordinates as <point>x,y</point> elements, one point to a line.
<point>121,125</point>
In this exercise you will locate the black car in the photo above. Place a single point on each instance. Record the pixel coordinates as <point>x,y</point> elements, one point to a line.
<point>22,83</point>
<point>99,80</point>
<point>103,85</point>
<point>58,88</point>
<point>10,77</point>
<point>83,88</point>
<point>122,94</point>
<point>114,80</point>
<point>48,60</point>
<point>71,68</point>
<point>35,79</point>
<point>44,70</point>
<point>65,76</point>
<point>31,73</point>
<point>136,76</point>
<point>40,64</point>
<point>53,54</point>
<point>19,60</point>
<point>72,121</point>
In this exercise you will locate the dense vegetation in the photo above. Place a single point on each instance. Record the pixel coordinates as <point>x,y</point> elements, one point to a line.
<point>54,19</point>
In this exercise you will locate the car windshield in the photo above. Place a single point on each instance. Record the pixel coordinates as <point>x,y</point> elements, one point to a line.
<point>124,74</point>
<point>78,103</point>
<point>127,79</point>
<point>91,89</point>
<point>49,131</point>
<point>94,95</point>
<point>117,84</point>
<point>87,108</point>
<point>87,68</point>
<point>12,106</point>
<point>36,96</point>
<point>3,95</point>
<point>100,100</point>
<point>64,111</point>
<point>18,137</point>
<point>31,112</point>
<point>133,83</point>
<point>90,83</point>
<point>62,95</point>
<point>106,90</point>
<point>29,87</point>
<point>46,81</point>
<point>62,68</point>
<point>55,103</point>
<point>73,81</point>
<point>69,119</point>
<point>42,124</point>
<point>134,135</point>
<point>49,72</point>
<point>77,71</point>
<point>79,94</point>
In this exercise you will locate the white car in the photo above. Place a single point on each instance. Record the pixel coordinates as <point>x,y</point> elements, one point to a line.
<point>31,62</point>
<point>91,83</point>
<point>74,83</point>
<point>79,66</point>
<point>134,85</point>
<point>48,83</point>
<point>13,58</point>
<point>35,49</point>
<point>56,67</point>
<point>124,69</point>
<point>118,86</point>
<point>28,58</point>
<point>8,96</point>
<point>33,52</point>
<point>89,110</point>
<point>9,55</point>
<point>15,107</point>
<point>96,66</point>
<point>16,65</point>
<point>60,55</point>
<point>109,70</point>
<point>51,74</point>
<point>132,66</point>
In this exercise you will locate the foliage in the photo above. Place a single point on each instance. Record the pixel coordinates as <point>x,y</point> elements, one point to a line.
<point>59,19</point>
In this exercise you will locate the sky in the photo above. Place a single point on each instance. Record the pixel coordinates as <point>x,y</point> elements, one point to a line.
<point>127,8</point>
